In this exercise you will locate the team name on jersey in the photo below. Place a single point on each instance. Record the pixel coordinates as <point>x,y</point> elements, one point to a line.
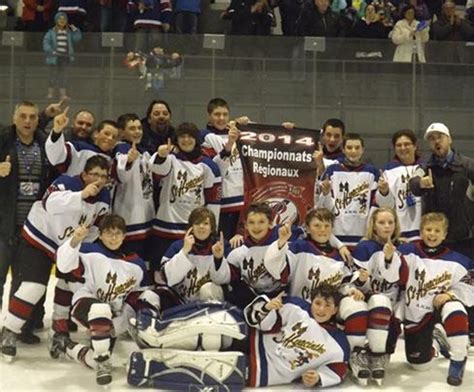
<point>307,349</point>
<point>195,283</point>
<point>69,231</point>
<point>185,185</point>
<point>344,200</point>
<point>403,191</point>
<point>416,291</point>
<point>314,277</point>
<point>253,274</point>
<point>115,290</point>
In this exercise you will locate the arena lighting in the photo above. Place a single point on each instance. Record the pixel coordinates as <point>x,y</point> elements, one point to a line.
<point>3,8</point>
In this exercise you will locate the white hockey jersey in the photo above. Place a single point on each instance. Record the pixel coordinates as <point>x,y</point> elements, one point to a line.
<point>288,342</point>
<point>247,262</point>
<point>431,274</point>
<point>185,185</point>
<point>104,275</point>
<point>402,200</point>
<point>70,157</point>
<point>230,167</point>
<point>186,274</point>
<point>353,194</point>
<point>52,220</point>
<point>384,277</point>
<point>310,266</point>
<point>133,198</point>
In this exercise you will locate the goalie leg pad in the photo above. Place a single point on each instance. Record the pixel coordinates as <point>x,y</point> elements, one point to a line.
<point>192,326</point>
<point>190,371</point>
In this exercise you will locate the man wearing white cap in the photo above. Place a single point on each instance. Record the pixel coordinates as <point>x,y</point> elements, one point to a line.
<point>446,184</point>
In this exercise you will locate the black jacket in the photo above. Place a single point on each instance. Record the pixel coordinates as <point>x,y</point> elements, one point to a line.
<point>9,184</point>
<point>449,194</point>
<point>312,23</point>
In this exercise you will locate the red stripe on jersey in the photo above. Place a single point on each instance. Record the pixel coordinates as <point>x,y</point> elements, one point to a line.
<point>253,359</point>
<point>37,245</point>
<point>339,368</point>
<point>456,324</point>
<point>213,195</point>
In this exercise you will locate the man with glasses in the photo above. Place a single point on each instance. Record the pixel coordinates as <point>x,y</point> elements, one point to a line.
<point>67,203</point>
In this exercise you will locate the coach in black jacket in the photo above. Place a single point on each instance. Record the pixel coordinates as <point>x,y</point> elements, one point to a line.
<point>446,185</point>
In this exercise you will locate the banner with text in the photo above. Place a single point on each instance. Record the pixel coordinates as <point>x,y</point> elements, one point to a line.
<point>279,169</point>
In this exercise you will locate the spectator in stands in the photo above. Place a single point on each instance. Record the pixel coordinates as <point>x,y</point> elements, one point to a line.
<point>317,19</point>
<point>421,9</point>
<point>187,16</point>
<point>113,15</point>
<point>157,126</point>
<point>370,26</point>
<point>58,44</point>
<point>249,17</point>
<point>150,18</point>
<point>386,10</point>
<point>410,36</point>
<point>76,11</point>
<point>470,11</point>
<point>450,26</point>
<point>289,11</point>
<point>37,14</point>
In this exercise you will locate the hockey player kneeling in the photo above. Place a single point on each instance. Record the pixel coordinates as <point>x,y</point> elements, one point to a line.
<point>109,287</point>
<point>175,364</point>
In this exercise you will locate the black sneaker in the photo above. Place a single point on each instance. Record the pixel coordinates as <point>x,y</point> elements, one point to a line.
<point>28,337</point>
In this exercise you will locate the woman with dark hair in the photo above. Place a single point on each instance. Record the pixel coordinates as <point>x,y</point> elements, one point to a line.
<point>398,173</point>
<point>409,33</point>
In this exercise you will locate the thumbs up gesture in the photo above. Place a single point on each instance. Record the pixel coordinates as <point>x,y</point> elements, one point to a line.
<point>165,149</point>
<point>389,250</point>
<point>427,181</point>
<point>218,247</point>
<point>382,184</point>
<point>5,167</point>
<point>132,153</point>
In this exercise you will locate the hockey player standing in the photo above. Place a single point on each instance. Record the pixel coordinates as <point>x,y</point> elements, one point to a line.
<point>350,189</point>
<point>188,179</point>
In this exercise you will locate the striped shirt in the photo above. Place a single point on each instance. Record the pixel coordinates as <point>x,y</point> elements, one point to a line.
<point>61,45</point>
<point>29,178</point>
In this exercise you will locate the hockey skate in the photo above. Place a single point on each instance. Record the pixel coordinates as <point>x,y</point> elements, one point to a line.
<point>359,363</point>
<point>58,344</point>
<point>456,372</point>
<point>104,370</point>
<point>470,348</point>
<point>442,344</point>
<point>377,364</point>
<point>8,344</point>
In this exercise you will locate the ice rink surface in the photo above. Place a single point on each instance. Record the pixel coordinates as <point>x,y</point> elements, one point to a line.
<point>34,370</point>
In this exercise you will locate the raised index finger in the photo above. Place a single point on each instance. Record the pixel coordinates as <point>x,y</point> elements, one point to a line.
<point>221,237</point>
